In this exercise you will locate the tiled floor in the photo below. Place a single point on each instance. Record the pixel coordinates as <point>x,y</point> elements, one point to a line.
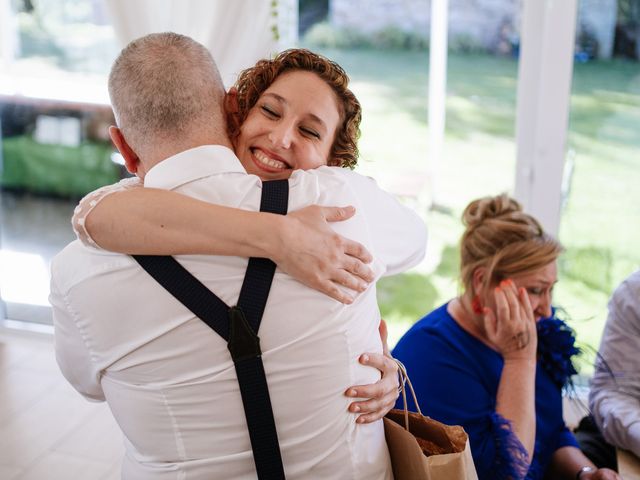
<point>47,430</point>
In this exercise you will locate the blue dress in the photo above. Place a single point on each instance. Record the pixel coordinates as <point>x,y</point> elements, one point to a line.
<point>456,378</point>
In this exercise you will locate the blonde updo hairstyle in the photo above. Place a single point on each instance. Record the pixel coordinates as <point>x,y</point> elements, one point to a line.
<point>504,240</point>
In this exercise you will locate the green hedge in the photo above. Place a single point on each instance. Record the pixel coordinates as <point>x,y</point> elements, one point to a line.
<point>56,169</point>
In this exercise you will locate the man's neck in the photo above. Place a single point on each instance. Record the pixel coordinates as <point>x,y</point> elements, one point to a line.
<point>163,150</point>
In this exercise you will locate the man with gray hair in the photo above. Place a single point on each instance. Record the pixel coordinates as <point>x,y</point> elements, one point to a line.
<point>168,379</point>
<point>167,97</point>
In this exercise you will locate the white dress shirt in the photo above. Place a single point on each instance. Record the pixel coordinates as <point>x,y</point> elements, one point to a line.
<point>169,379</point>
<point>614,398</point>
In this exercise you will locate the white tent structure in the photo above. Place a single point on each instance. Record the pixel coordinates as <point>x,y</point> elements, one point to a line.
<point>544,87</point>
<point>236,33</point>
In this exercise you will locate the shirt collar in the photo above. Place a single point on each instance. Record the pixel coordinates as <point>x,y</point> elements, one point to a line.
<point>191,165</point>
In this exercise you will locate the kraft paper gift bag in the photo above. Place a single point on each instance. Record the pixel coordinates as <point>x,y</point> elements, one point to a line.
<point>422,448</point>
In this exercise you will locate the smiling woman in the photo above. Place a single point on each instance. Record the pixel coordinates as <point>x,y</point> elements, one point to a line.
<point>292,126</point>
<point>317,89</point>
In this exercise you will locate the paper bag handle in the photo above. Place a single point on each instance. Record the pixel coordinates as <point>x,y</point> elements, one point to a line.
<point>404,381</point>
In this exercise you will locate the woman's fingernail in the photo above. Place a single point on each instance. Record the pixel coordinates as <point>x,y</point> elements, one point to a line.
<point>352,393</point>
<point>365,357</point>
<point>355,408</point>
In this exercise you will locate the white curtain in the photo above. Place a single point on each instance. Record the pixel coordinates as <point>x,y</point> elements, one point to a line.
<point>236,32</point>
<point>8,34</point>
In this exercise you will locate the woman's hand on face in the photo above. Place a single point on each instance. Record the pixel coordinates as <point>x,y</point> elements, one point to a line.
<point>381,395</point>
<point>312,253</point>
<point>512,327</point>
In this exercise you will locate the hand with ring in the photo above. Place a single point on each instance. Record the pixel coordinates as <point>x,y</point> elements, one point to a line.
<point>512,327</point>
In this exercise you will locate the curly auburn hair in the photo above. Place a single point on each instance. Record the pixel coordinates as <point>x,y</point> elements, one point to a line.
<point>253,81</point>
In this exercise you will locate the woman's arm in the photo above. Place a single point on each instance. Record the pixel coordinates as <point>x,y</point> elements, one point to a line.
<point>566,463</point>
<point>512,330</point>
<point>152,221</point>
<point>91,200</point>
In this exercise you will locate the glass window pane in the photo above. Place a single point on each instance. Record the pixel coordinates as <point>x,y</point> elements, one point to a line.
<point>54,115</point>
<point>383,47</point>
<point>600,227</point>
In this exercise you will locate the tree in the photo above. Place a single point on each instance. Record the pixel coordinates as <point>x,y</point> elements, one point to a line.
<point>628,11</point>
<point>628,28</point>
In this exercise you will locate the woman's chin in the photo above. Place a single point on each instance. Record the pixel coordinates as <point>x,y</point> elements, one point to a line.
<point>283,175</point>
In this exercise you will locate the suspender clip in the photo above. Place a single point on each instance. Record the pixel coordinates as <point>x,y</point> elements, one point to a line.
<point>243,343</point>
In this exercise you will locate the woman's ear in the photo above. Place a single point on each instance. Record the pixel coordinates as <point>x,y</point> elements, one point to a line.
<point>478,280</point>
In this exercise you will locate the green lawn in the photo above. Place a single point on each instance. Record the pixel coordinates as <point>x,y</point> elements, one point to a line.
<point>601,219</point>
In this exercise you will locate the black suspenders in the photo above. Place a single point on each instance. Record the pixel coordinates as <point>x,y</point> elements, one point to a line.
<point>239,326</point>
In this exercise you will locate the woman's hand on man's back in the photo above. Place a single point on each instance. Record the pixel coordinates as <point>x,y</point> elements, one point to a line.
<point>310,251</point>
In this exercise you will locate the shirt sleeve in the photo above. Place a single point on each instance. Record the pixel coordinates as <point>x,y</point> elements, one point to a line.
<point>449,390</point>
<point>615,388</point>
<point>89,202</point>
<point>398,234</point>
<point>72,354</point>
